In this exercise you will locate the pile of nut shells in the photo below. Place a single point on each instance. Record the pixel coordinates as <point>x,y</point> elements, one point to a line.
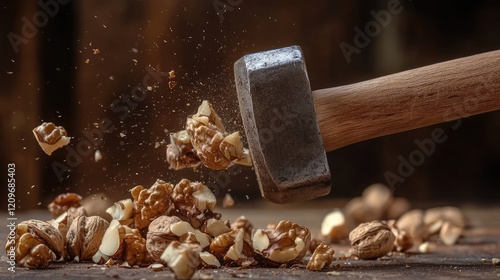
<point>162,226</point>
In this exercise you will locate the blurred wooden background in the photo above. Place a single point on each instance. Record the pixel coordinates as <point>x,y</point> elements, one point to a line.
<point>49,80</point>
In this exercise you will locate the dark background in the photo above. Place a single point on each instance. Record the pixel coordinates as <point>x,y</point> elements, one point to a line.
<point>48,80</point>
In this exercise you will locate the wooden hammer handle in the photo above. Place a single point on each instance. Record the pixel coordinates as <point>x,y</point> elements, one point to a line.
<point>415,98</point>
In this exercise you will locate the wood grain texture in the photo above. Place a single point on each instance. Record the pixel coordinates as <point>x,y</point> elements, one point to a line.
<point>415,98</point>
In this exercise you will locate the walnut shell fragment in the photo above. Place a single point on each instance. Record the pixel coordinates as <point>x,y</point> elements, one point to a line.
<point>37,244</point>
<point>286,243</point>
<point>403,240</point>
<point>51,137</point>
<point>371,240</point>
<point>231,247</point>
<point>151,203</point>
<point>322,257</point>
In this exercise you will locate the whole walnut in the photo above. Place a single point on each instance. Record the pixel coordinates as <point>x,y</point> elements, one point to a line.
<point>371,240</point>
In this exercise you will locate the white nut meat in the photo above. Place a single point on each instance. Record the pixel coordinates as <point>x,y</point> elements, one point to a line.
<point>51,137</point>
<point>182,259</point>
<point>334,226</point>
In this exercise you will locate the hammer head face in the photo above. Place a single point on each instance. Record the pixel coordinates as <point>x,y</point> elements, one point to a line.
<point>281,127</point>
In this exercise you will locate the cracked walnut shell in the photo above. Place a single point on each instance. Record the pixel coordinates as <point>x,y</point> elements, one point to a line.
<point>85,236</point>
<point>37,243</point>
<point>285,243</point>
<point>151,203</point>
<point>371,240</point>
<point>51,137</point>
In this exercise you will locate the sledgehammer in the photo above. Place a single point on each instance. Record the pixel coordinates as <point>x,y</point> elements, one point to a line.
<point>289,129</point>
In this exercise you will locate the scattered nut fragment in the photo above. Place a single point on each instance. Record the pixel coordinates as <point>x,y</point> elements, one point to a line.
<point>403,240</point>
<point>334,226</point>
<point>51,137</point>
<point>286,243</point>
<point>85,236</point>
<point>180,151</point>
<point>209,260</point>
<point>371,240</point>
<point>151,203</point>
<point>110,263</point>
<point>136,252</point>
<point>172,84</point>
<point>37,243</point>
<point>112,245</point>
<point>193,201</point>
<point>227,201</point>
<point>97,155</point>
<point>322,256</point>
<point>182,227</point>
<point>450,233</point>
<point>122,210</point>
<point>215,227</point>
<point>424,248</point>
<point>495,261</point>
<point>171,74</point>
<point>182,259</point>
<point>63,202</point>
<point>412,222</point>
<point>231,247</point>
<point>159,235</point>
<point>435,217</point>
<point>157,267</point>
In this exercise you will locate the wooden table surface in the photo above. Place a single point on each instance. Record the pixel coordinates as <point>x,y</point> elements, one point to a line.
<point>481,241</point>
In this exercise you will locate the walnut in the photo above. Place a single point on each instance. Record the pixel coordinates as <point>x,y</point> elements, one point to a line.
<point>413,223</point>
<point>450,233</point>
<point>213,145</point>
<point>286,243</point>
<point>136,252</point>
<point>371,240</point>
<point>182,259</point>
<point>151,203</point>
<point>360,212</point>
<point>63,202</point>
<point>334,226</point>
<point>244,223</point>
<point>84,237</point>
<point>51,137</point>
<point>181,228</point>
<point>403,240</point>
<point>215,227</point>
<point>193,201</point>
<point>159,235</point>
<point>180,151</point>
<point>398,207</point>
<point>231,247</point>
<point>37,243</point>
<point>322,256</point>
<point>378,197</point>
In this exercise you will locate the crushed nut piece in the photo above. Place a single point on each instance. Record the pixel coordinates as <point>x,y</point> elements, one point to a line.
<point>227,201</point>
<point>495,261</point>
<point>37,243</point>
<point>215,227</point>
<point>182,259</point>
<point>209,260</point>
<point>424,248</point>
<point>334,226</point>
<point>231,247</point>
<point>151,203</point>
<point>63,202</point>
<point>194,202</point>
<point>450,233</point>
<point>157,267</point>
<point>180,151</point>
<point>172,84</point>
<point>286,243</point>
<point>85,236</point>
<point>171,74</point>
<point>51,137</point>
<point>322,256</point>
<point>112,245</point>
<point>371,240</point>
<point>435,217</point>
<point>136,252</point>
<point>121,210</point>
<point>403,240</point>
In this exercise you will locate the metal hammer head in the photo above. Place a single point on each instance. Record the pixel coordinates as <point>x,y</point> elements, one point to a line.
<point>281,127</point>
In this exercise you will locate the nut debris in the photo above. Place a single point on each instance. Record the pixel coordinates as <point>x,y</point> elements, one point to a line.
<point>495,261</point>
<point>206,140</point>
<point>63,202</point>
<point>424,248</point>
<point>371,240</point>
<point>151,203</point>
<point>322,257</point>
<point>209,260</point>
<point>412,222</point>
<point>182,259</point>
<point>450,233</point>
<point>286,243</point>
<point>122,210</point>
<point>227,201</point>
<point>334,226</point>
<point>403,240</point>
<point>51,137</point>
